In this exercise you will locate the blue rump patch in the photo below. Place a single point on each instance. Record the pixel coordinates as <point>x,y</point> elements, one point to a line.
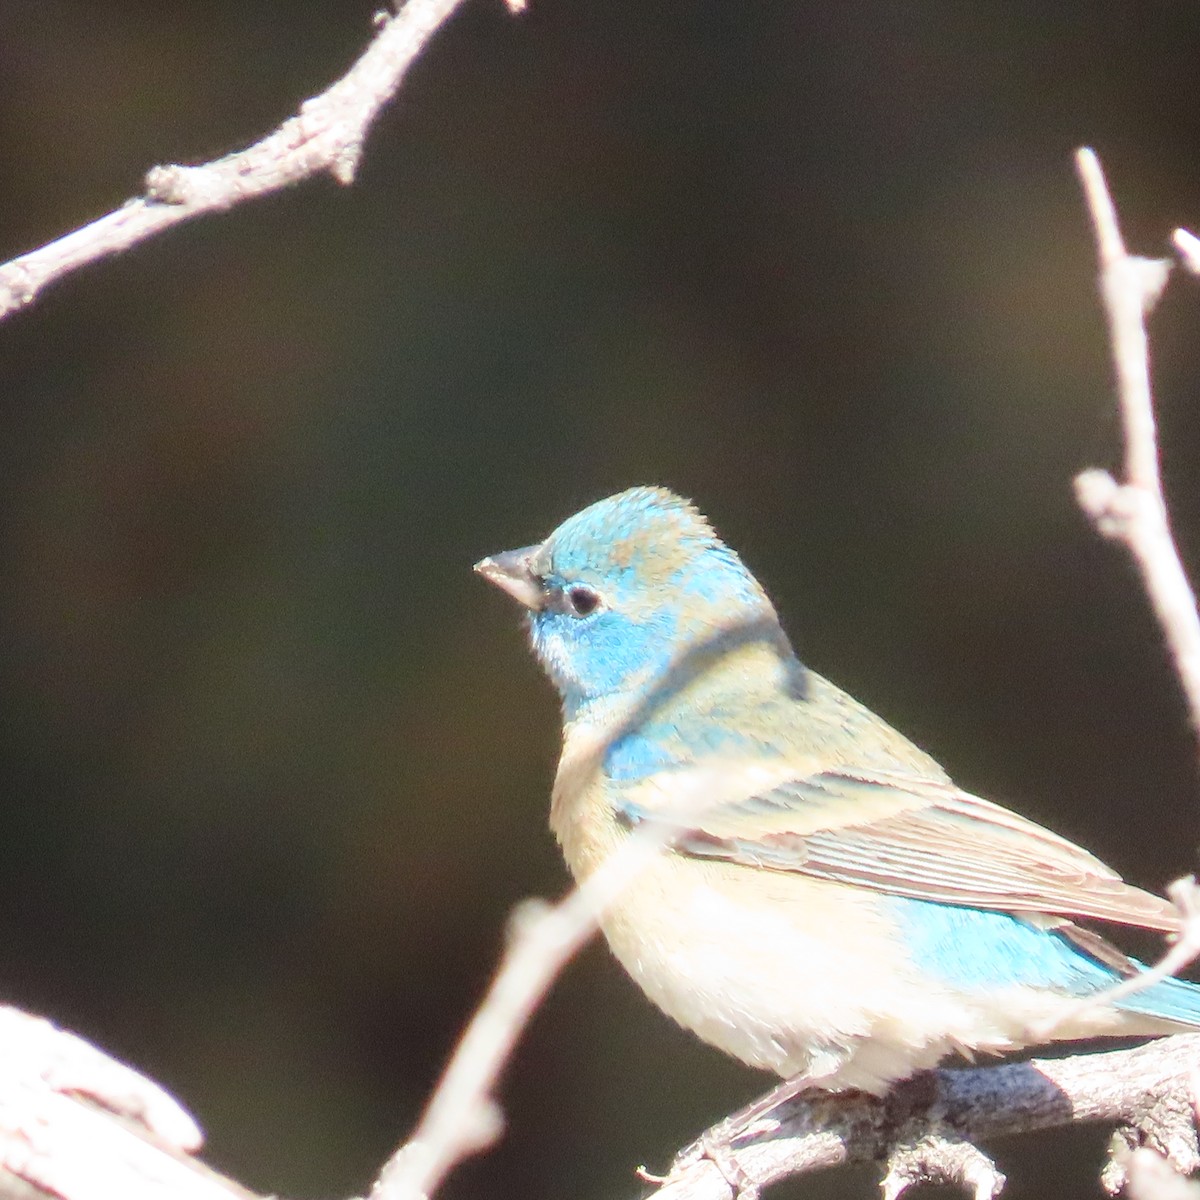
<point>974,949</point>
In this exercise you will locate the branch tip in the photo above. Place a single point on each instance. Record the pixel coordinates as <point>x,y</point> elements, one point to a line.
<point>1187,245</point>
<point>1100,205</point>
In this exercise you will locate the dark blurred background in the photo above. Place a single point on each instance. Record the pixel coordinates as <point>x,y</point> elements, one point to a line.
<point>274,765</point>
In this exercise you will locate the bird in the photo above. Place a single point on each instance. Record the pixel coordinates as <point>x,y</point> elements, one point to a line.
<point>827,904</point>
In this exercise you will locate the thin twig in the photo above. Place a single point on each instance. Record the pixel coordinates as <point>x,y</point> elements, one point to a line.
<point>1134,510</point>
<point>461,1117</point>
<point>326,135</point>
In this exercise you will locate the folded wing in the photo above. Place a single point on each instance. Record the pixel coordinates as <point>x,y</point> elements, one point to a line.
<point>908,836</point>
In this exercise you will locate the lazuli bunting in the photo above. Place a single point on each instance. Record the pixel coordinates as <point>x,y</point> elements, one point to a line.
<point>829,905</point>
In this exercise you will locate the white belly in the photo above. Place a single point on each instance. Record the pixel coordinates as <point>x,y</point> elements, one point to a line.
<point>799,976</point>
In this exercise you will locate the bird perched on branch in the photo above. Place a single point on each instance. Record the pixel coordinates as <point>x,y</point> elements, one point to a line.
<point>827,904</point>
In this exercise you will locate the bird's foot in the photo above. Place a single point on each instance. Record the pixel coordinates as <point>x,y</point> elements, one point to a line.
<point>718,1144</point>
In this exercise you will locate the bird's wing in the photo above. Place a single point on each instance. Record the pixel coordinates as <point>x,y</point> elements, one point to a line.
<point>909,836</point>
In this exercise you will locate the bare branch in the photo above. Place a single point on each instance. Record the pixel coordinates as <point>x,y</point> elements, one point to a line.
<point>927,1127</point>
<point>1134,511</point>
<point>78,1125</point>
<point>326,135</point>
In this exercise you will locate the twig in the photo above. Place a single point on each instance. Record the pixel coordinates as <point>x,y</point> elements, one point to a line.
<point>1134,511</point>
<point>461,1117</point>
<point>326,134</point>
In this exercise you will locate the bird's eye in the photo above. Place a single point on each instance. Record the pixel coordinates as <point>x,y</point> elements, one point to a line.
<point>582,601</point>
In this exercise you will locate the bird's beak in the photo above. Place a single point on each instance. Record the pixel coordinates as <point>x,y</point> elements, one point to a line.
<point>512,572</point>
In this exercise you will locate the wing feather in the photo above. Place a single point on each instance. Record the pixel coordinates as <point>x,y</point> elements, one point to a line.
<point>917,837</point>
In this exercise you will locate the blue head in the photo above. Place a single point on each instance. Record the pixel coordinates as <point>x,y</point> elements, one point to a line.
<point>621,591</point>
